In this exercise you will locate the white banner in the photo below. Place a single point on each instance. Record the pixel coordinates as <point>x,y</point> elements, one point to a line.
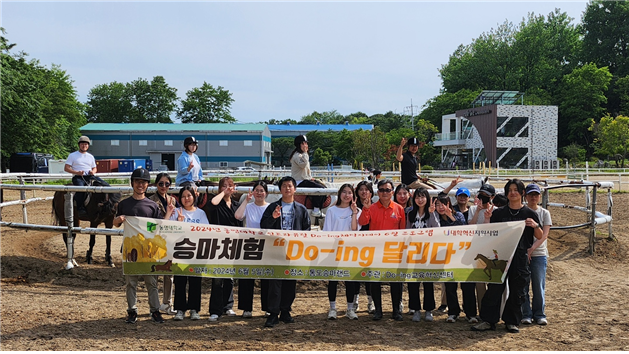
<point>470,253</point>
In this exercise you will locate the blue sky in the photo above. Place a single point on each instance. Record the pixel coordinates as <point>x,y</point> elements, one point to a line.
<point>279,59</point>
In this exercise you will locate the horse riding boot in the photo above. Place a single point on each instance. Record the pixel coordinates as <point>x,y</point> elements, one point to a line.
<point>88,257</point>
<point>109,261</point>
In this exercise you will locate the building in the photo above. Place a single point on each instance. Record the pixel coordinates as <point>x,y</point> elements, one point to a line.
<point>221,145</point>
<point>496,130</point>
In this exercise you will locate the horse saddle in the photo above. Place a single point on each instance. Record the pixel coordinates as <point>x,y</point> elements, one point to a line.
<point>93,183</point>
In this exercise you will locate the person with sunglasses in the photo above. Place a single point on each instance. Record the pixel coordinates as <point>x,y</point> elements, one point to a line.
<point>165,201</point>
<point>385,214</point>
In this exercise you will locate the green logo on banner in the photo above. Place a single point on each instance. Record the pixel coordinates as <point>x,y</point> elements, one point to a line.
<point>150,227</point>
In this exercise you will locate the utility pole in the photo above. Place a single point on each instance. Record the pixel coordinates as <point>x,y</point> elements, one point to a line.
<point>410,109</point>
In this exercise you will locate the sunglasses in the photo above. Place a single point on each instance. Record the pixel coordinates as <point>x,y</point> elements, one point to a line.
<point>164,184</point>
<point>385,190</point>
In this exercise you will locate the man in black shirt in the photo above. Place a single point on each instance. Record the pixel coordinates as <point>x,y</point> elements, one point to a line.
<point>139,205</point>
<point>410,163</point>
<point>518,274</point>
<point>285,214</point>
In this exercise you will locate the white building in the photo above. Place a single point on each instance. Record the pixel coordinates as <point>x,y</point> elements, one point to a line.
<point>499,131</point>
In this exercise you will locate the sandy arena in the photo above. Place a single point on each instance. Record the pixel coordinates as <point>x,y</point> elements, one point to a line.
<point>45,307</point>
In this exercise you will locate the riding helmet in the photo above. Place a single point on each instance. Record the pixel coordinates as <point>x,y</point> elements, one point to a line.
<point>412,141</point>
<point>141,173</point>
<point>189,140</point>
<point>300,139</point>
<point>85,139</point>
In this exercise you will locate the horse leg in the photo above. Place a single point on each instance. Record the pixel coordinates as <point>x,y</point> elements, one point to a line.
<point>88,255</point>
<point>108,258</point>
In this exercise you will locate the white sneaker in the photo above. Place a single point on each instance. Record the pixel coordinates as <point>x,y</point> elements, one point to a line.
<point>452,318</point>
<point>332,314</point>
<point>411,312</point>
<point>179,316</point>
<point>351,314</point>
<point>371,308</point>
<point>247,314</point>
<point>230,313</point>
<point>526,321</point>
<point>213,318</point>
<point>417,316</point>
<point>356,307</point>
<point>167,309</point>
<point>194,315</point>
<point>74,262</point>
<point>428,316</point>
<point>542,322</point>
<point>316,213</point>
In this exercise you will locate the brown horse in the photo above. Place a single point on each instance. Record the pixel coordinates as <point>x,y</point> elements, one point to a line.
<point>101,208</point>
<point>492,264</point>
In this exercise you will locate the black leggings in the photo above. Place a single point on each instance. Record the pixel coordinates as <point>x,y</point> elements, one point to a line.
<point>317,200</point>
<point>350,290</point>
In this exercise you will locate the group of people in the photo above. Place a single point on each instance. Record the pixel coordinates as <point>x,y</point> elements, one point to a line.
<point>397,207</point>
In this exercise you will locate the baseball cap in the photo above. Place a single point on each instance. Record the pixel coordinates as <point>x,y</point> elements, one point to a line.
<point>488,189</point>
<point>462,191</point>
<point>533,188</point>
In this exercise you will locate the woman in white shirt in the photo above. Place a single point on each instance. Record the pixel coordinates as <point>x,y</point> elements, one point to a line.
<point>252,212</point>
<point>342,217</point>
<point>187,213</point>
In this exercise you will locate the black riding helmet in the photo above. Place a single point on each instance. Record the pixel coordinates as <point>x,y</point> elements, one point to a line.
<point>141,173</point>
<point>300,139</point>
<point>189,140</point>
<point>412,141</point>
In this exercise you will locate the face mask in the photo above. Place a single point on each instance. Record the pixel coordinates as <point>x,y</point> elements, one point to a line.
<point>484,198</point>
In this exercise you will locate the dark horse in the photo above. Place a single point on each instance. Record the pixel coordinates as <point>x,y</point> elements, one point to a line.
<point>101,208</point>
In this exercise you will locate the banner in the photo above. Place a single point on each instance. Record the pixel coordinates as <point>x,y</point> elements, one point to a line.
<point>470,253</point>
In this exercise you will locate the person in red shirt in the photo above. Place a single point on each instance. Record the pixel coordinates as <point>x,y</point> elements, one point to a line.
<point>385,214</point>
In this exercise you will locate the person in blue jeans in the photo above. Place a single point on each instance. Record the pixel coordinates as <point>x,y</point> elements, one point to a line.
<point>538,258</point>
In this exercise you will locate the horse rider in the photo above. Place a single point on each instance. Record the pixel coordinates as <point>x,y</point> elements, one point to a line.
<point>188,164</point>
<point>83,166</point>
<point>410,163</point>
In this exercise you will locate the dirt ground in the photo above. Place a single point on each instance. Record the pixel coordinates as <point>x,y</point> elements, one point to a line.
<point>44,307</point>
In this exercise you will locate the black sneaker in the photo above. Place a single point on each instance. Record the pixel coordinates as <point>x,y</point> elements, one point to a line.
<point>397,316</point>
<point>132,316</point>
<point>157,317</point>
<point>377,316</point>
<point>443,308</point>
<point>286,317</point>
<point>271,321</point>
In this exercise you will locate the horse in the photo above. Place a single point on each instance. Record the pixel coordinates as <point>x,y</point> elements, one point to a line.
<point>492,264</point>
<point>101,208</point>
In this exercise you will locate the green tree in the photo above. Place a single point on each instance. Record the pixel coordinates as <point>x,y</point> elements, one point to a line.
<point>574,153</point>
<point>109,103</point>
<point>207,104</point>
<point>581,99</point>
<point>446,103</point>
<point>152,102</point>
<point>331,117</point>
<point>39,108</point>
<point>370,146</point>
<point>282,148</point>
<point>605,28</point>
<point>613,136</point>
<point>622,90</point>
<point>320,157</point>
